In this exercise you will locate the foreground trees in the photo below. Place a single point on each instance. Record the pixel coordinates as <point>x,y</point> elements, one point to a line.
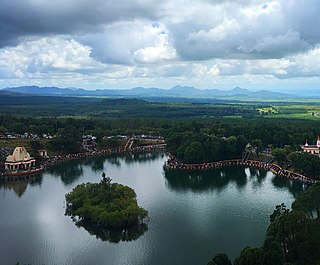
<point>220,259</point>
<point>306,163</point>
<point>293,237</point>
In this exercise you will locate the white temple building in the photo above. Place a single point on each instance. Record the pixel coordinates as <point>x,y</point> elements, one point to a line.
<point>312,149</point>
<point>19,160</point>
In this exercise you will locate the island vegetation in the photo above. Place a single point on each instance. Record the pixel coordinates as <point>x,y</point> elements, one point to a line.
<point>105,204</point>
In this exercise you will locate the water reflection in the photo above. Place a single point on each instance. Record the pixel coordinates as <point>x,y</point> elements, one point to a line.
<point>68,172</point>
<point>198,182</point>
<point>206,180</point>
<point>295,187</point>
<point>115,235</point>
<point>72,170</point>
<point>143,157</point>
<point>19,184</point>
<point>257,176</point>
<point>96,164</point>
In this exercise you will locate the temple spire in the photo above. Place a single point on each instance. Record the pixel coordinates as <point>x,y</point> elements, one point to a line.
<point>306,144</point>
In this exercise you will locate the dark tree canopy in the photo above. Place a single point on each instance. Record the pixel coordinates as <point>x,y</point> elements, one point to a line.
<point>220,259</point>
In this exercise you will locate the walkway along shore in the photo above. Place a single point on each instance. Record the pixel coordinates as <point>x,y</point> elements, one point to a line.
<point>62,158</point>
<point>41,165</point>
<point>173,164</point>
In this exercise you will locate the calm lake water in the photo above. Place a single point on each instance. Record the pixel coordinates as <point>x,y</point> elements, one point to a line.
<point>192,216</point>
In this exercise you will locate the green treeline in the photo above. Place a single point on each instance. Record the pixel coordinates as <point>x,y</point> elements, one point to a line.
<point>306,164</point>
<point>105,204</point>
<point>292,238</point>
<point>199,147</point>
<point>278,132</point>
<point>193,140</point>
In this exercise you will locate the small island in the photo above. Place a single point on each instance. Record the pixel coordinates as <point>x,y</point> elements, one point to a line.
<point>105,204</point>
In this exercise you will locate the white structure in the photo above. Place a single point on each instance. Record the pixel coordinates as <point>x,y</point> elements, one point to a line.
<point>19,160</point>
<point>312,149</point>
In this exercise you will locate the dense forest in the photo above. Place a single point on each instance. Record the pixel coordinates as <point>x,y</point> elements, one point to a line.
<point>190,139</point>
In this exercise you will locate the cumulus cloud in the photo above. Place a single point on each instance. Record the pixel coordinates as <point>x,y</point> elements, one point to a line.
<point>260,30</point>
<point>149,40</point>
<point>129,41</point>
<point>162,51</point>
<point>46,55</point>
<point>38,17</point>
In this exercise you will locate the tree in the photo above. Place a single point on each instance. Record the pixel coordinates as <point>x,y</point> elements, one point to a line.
<point>220,259</point>
<point>35,145</point>
<point>211,148</point>
<point>306,163</point>
<point>67,139</point>
<point>280,210</point>
<point>106,181</point>
<point>298,236</point>
<point>271,252</point>
<point>231,146</point>
<point>309,202</point>
<point>280,155</point>
<point>257,144</point>
<point>249,256</point>
<point>194,153</point>
<point>241,143</point>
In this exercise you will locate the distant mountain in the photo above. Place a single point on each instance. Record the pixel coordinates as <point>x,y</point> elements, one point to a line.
<point>142,92</point>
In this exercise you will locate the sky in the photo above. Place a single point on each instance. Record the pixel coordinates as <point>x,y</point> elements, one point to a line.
<point>220,44</point>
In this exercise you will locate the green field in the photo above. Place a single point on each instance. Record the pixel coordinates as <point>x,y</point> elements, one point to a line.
<point>292,111</point>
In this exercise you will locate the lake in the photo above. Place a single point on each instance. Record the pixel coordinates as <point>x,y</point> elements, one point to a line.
<point>193,216</point>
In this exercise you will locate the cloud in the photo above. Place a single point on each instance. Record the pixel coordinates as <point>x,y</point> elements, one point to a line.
<point>129,41</point>
<point>38,18</point>
<point>105,41</point>
<point>46,55</point>
<point>162,51</point>
<point>252,31</point>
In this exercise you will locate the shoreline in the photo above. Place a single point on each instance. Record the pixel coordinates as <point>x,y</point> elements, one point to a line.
<point>63,158</point>
<point>47,162</point>
<point>173,164</point>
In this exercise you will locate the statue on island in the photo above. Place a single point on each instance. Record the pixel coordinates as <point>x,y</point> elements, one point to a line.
<point>107,210</point>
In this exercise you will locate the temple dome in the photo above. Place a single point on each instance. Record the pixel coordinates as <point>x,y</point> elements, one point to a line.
<point>19,154</point>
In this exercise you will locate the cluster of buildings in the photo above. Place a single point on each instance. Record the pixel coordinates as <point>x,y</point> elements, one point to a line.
<point>24,136</point>
<point>312,149</point>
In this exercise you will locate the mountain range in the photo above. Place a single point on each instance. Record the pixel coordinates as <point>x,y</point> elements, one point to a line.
<point>142,92</point>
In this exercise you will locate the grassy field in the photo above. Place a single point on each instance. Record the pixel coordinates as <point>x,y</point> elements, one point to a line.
<point>292,111</point>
